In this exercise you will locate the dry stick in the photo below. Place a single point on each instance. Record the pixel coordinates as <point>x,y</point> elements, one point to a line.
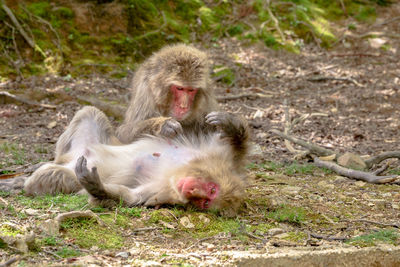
<point>146,229</point>
<point>25,101</point>
<point>288,128</point>
<point>381,157</point>
<point>314,149</point>
<point>245,95</point>
<point>20,29</point>
<point>325,78</point>
<point>76,214</point>
<point>329,238</point>
<point>396,225</point>
<point>10,261</point>
<point>354,174</point>
<point>276,22</point>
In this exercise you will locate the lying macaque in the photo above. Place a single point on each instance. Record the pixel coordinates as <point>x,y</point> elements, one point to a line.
<point>206,171</point>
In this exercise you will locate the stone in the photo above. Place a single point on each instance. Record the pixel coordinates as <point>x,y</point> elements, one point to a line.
<point>275,231</point>
<point>352,161</point>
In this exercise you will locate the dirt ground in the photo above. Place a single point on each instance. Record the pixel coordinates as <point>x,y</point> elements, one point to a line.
<point>354,90</point>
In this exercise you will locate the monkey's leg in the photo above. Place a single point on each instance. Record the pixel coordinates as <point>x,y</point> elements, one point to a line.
<point>158,126</point>
<point>88,126</point>
<point>102,192</point>
<point>51,179</point>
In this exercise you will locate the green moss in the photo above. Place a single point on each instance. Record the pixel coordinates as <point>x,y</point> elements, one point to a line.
<point>64,202</point>
<point>66,252</point>
<point>88,233</point>
<point>289,214</point>
<point>7,230</point>
<point>382,236</point>
<point>226,75</point>
<point>296,236</point>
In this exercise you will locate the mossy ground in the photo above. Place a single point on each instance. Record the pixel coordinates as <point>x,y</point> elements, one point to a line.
<point>111,37</point>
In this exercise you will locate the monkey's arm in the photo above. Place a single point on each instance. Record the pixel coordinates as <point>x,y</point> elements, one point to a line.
<point>234,129</point>
<point>158,126</point>
<point>102,192</point>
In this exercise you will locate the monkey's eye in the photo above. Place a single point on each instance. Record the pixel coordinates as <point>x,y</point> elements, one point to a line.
<point>179,88</point>
<point>191,90</point>
<point>213,190</point>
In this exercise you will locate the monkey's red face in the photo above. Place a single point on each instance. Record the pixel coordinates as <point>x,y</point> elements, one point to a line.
<point>182,100</point>
<point>198,192</point>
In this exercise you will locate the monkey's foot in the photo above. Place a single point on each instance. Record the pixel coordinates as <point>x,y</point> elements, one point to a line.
<point>90,180</point>
<point>171,128</point>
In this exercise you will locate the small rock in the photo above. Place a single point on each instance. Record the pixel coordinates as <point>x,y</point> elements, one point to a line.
<point>283,235</point>
<point>185,222</point>
<point>50,227</point>
<point>32,212</point>
<point>275,231</point>
<point>52,124</point>
<point>167,225</point>
<point>255,150</point>
<point>261,135</point>
<point>388,194</point>
<point>340,179</point>
<point>360,183</point>
<point>395,206</point>
<point>352,161</point>
<point>291,190</point>
<point>210,247</point>
<point>123,254</point>
<point>204,219</point>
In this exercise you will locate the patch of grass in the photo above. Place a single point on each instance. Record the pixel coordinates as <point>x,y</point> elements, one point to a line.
<point>64,202</point>
<point>225,74</point>
<point>381,236</point>
<point>132,212</point>
<point>296,168</point>
<point>7,230</point>
<point>66,252</point>
<point>288,214</point>
<point>50,241</point>
<point>296,236</point>
<point>88,233</point>
<point>17,153</point>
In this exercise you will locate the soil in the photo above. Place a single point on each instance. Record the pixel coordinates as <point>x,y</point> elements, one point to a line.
<point>352,91</point>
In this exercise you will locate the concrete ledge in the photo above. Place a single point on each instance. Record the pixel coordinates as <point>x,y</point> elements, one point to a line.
<point>384,256</point>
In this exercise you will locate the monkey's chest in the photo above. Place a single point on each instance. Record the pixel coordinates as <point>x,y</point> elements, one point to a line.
<point>152,163</point>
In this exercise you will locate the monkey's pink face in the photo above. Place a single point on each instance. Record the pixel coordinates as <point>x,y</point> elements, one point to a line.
<point>200,193</point>
<point>182,100</point>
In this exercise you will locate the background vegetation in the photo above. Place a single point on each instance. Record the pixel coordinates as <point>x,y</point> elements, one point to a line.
<point>76,37</point>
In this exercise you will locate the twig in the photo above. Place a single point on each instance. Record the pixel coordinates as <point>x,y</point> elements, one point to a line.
<point>147,34</point>
<point>24,100</point>
<point>325,78</point>
<point>76,214</point>
<point>288,128</point>
<point>354,174</point>
<point>52,254</point>
<point>199,241</point>
<point>20,29</point>
<point>329,238</point>
<point>395,225</point>
<point>275,20</point>
<point>255,237</point>
<point>146,229</point>
<point>311,147</point>
<point>244,95</point>
<point>381,157</point>
<point>10,261</point>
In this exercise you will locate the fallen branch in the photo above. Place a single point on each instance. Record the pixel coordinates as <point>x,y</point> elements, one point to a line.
<point>245,95</point>
<point>314,149</point>
<point>329,238</point>
<point>77,214</point>
<point>20,29</point>
<point>4,94</point>
<point>381,157</point>
<point>354,174</point>
<point>110,109</point>
<point>395,225</point>
<point>325,78</point>
<point>10,261</point>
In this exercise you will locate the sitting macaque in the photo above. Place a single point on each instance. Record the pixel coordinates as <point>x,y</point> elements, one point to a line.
<point>171,94</point>
<point>206,171</point>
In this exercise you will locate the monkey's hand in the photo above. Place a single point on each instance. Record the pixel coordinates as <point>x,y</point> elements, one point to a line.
<point>90,180</point>
<point>171,128</point>
<point>228,124</point>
